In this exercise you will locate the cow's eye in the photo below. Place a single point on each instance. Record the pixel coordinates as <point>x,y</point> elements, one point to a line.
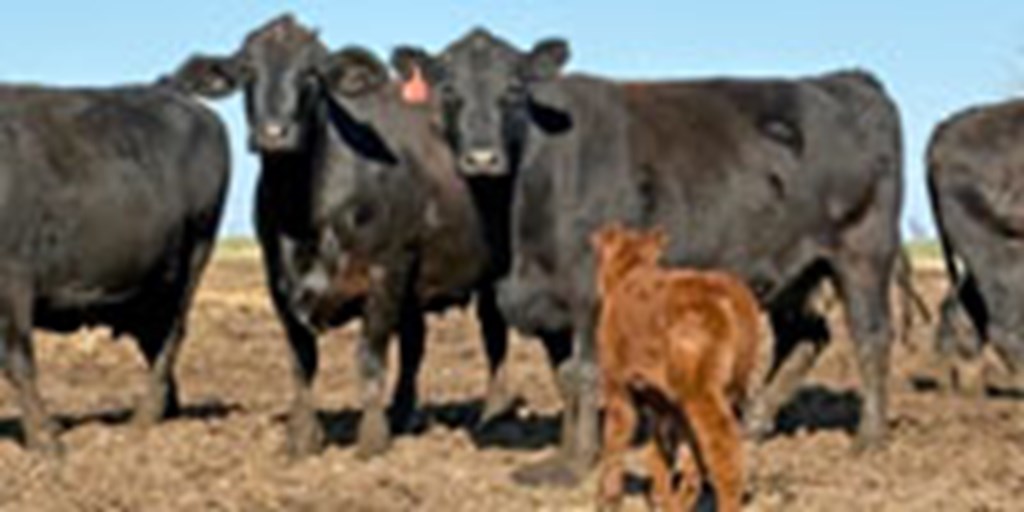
<point>246,71</point>
<point>514,95</point>
<point>308,76</point>
<point>361,215</point>
<point>450,96</point>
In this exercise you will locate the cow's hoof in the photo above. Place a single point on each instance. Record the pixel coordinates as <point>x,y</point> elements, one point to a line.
<point>374,436</point>
<point>147,414</point>
<point>156,405</point>
<point>407,421</point>
<point>305,437</point>
<point>551,472</point>
<point>498,404</point>
<point>758,425</point>
<point>940,374</point>
<point>869,440</point>
<point>968,376</point>
<point>46,443</point>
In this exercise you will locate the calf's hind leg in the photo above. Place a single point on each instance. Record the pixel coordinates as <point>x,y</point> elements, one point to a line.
<point>720,450</point>
<point>620,422</point>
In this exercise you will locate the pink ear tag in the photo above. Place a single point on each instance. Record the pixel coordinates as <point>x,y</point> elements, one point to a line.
<point>415,90</point>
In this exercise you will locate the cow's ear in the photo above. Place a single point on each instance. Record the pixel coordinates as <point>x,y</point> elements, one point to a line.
<point>547,59</point>
<point>407,59</point>
<point>353,71</point>
<point>554,121</point>
<point>212,77</point>
<point>658,240</point>
<point>418,72</point>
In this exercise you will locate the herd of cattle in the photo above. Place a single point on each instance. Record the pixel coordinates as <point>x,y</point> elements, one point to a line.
<point>481,173</point>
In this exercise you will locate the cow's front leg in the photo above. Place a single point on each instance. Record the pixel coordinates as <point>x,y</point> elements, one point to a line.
<point>412,334</point>
<point>500,399</point>
<point>379,319</point>
<point>582,377</point>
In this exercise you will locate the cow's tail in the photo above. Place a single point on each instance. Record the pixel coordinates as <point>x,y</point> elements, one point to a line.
<point>948,253</point>
<point>911,301</point>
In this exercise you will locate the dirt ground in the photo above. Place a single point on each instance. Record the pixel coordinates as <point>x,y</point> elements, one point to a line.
<point>947,453</point>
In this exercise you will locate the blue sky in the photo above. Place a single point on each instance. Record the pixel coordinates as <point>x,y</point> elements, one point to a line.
<point>936,57</point>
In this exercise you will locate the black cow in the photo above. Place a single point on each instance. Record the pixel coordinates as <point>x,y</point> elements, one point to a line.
<point>109,205</point>
<point>360,214</point>
<point>975,165</point>
<point>785,182</point>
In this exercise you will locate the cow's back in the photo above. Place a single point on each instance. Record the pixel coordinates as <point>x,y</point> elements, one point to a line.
<point>751,175</point>
<point>978,152</point>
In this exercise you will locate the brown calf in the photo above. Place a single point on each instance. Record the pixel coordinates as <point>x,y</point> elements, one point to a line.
<point>681,345</point>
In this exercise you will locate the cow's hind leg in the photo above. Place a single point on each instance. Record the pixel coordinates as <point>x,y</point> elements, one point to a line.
<point>863,283</point>
<point>17,355</point>
<point>499,399</point>
<point>1007,338</point>
<point>800,337</point>
<point>160,398</point>
<point>161,337</point>
<point>963,324</point>
<point>663,453</point>
<point>720,449</point>
<point>620,423</point>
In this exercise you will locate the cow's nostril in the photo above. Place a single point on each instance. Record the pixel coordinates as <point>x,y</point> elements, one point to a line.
<point>484,160</point>
<point>274,130</point>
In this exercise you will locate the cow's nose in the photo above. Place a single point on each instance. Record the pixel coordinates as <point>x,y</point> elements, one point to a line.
<point>481,162</point>
<point>273,136</point>
<point>272,131</point>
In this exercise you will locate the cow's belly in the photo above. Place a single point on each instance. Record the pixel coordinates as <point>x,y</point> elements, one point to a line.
<point>108,247</point>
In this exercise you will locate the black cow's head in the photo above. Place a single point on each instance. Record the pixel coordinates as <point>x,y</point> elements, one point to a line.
<point>277,68</point>
<point>484,86</point>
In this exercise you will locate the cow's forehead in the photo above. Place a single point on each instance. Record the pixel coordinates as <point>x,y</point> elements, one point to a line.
<point>481,54</point>
<point>281,35</point>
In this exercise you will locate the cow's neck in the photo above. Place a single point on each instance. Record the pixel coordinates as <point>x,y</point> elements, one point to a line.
<point>287,183</point>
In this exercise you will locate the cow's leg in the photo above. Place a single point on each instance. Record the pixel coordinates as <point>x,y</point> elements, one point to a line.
<point>863,283</point>
<point>662,454</point>
<point>558,346</point>
<point>17,355</point>
<point>304,433</point>
<point>380,316</point>
<point>577,376</point>
<point>583,380</point>
<point>161,339</point>
<point>620,422</point>
<point>495,334</point>
<point>411,332</point>
<point>691,481</point>
<point>800,337</point>
<point>160,398</point>
<point>958,345</point>
<point>718,438</point>
<point>1007,339</point>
